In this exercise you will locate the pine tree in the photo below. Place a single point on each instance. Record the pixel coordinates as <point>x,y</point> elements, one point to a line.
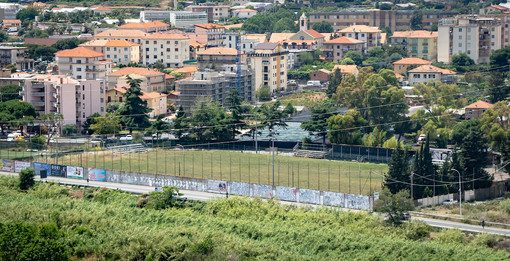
<point>398,173</point>
<point>134,110</point>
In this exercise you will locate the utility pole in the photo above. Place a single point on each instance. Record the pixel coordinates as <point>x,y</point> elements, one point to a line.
<point>412,194</point>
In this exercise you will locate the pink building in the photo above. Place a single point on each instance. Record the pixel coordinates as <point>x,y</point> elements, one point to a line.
<point>74,99</point>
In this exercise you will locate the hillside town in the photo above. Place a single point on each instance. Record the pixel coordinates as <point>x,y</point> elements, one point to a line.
<point>393,107</point>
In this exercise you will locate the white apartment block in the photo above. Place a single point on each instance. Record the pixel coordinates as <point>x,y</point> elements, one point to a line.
<point>116,51</point>
<point>169,49</point>
<point>478,37</point>
<point>82,63</point>
<point>269,64</point>
<point>178,19</point>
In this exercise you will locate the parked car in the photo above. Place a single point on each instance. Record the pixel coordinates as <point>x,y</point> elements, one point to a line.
<point>313,83</point>
<point>406,216</point>
<point>449,201</point>
<point>421,139</point>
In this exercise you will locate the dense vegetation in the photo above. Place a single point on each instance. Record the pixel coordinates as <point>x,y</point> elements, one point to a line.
<point>106,224</point>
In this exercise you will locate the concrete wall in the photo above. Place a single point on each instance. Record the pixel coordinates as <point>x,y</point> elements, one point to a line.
<point>239,188</point>
<point>309,196</point>
<point>263,191</point>
<point>334,199</point>
<point>286,193</point>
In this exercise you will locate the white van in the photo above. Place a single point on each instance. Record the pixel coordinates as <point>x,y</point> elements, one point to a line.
<point>313,84</point>
<point>13,136</point>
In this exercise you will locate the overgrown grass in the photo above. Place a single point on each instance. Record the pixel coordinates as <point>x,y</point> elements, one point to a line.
<point>497,210</point>
<point>107,225</point>
<point>343,176</point>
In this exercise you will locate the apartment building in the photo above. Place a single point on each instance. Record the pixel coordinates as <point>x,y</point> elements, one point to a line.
<point>82,63</point>
<point>478,37</point>
<point>395,20</point>
<point>74,99</point>
<point>269,64</point>
<point>169,49</point>
<point>178,19</point>
<point>369,35</point>
<point>9,10</point>
<point>155,100</point>
<point>215,86</point>
<point>116,51</point>
<point>215,58</point>
<point>16,56</point>
<point>148,27</point>
<point>247,41</point>
<point>419,44</point>
<point>244,13</point>
<point>133,36</point>
<point>214,12</point>
<point>426,73</point>
<point>209,34</point>
<point>401,66</point>
<point>334,50</point>
<point>152,80</point>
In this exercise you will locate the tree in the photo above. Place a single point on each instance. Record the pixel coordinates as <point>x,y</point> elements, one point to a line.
<point>272,117</point>
<point>318,125</point>
<point>113,107</point>
<point>234,100</point>
<point>375,138</point>
<point>355,56</point>
<point>398,174</point>
<point>3,36</point>
<point>285,24</point>
<point>393,205</point>
<point>210,122</point>
<point>263,93</point>
<point>69,129</point>
<point>88,122</point>
<point>347,61</point>
<point>27,14</point>
<point>345,129</point>
<point>289,109</point>
<point>323,27</point>
<point>416,20</point>
<point>10,92</point>
<point>474,154</point>
<point>462,59</point>
<point>498,89</point>
<point>11,67</point>
<point>180,122</point>
<point>168,198</point>
<point>334,81</point>
<point>69,43</point>
<point>16,113</point>
<point>158,126</point>
<point>109,124</point>
<point>26,179</point>
<point>134,110</point>
<point>499,59</point>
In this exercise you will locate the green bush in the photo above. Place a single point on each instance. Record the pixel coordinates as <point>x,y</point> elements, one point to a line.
<point>26,179</point>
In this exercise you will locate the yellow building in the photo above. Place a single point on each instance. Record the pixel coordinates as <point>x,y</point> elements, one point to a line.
<point>269,64</point>
<point>419,44</point>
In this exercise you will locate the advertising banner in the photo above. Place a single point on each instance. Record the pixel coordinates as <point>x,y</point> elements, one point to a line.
<point>217,186</point>
<point>74,172</point>
<point>97,174</point>
<point>58,170</point>
<point>7,165</point>
<point>41,166</point>
<point>21,165</point>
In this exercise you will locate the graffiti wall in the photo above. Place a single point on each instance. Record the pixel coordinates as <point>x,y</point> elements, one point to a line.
<point>216,186</point>
<point>21,165</point>
<point>309,196</point>
<point>334,199</point>
<point>358,201</point>
<point>286,193</point>
<point>239,188</point>
<point>263,191</point>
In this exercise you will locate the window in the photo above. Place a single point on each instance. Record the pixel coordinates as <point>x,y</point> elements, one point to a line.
<point>125,48</point>
<point>176,42</point>
<point>78,69</point>
<point>176,49</point>
<point>115,56</point>
<point>155,49</point>
<point>146,42</point>
<point>114,49</point>
<point>460,44</point>
<point>460,30</point>
<point>108,48</point>
<point>146,49</point>
<point>155,42</point>
<point>416,75</point>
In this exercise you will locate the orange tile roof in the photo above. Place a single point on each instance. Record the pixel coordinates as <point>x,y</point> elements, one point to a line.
<point>415,34</point>
<point>209,26</point>
<point>499,7</point>
<point>14,21</point>
<point>155,36</point>
<point>196,44</point>
<point>143,25</point>
<point>187,69</point>
<point>344,40</point>
<point>411,61</point>
<point>168,76</point>
<point>360,28</point>
<point>314,34</point>
<point>136,70</point>
<point>244,10</point>
<point>151,95</point>
<point>398,75</point>
<point>479,105</point>
<point>300,41</point>
<point>79,52</point>
<point>278,37</point>
<point>430,68</point>
<point>345,68</point>
<point>233,26</point>
<point>121,33</point>
<point>102,8</point>
<point>218,51</point>
<point>121,89</point>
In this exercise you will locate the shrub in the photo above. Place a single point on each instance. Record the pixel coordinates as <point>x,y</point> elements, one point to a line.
<point>449,236</point>
<point>26,179</point>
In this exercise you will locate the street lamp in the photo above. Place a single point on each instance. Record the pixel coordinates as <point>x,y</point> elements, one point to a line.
<point>460,195</point>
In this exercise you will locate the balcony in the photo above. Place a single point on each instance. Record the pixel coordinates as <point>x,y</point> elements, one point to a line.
<point>265,63</point>
<point>95,69</point>
<point>38,94</point>
<point>55,95</point>
<point>38,103</point>
<point>55,104</point>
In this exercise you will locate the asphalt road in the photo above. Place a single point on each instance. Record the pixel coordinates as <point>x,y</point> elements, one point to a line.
<point>197,195</point>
